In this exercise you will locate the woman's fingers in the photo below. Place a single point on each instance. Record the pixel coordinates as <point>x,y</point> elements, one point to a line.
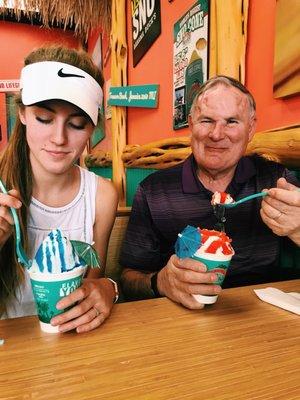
<point>11,199</point>
<point>84,322</point>
<point>92,304</point>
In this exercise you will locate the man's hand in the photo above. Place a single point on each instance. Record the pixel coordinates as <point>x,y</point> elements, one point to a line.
<point>280,210</point>
<point>181,278</point>
<point>94,300</point>
<point>6,220</point>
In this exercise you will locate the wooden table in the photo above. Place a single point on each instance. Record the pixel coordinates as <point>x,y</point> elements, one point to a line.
<point>239,348</point>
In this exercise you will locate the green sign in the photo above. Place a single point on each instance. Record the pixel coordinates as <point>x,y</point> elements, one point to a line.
<point>134,96</point>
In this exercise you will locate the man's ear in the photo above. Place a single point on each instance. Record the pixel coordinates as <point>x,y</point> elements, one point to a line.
<point>252,128</point>
<point>22,115</point>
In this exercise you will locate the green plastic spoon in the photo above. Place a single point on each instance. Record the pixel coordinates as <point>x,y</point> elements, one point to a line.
<point>22,257</point>
<point>252,196</point>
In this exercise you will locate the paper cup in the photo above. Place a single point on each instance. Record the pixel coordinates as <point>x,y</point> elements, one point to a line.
<point>219,267</point>
<point>48,289</point>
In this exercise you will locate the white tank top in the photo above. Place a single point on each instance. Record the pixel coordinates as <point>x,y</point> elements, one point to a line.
<point>75,220</point>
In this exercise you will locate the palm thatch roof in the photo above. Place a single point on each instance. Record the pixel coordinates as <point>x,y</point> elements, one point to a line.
<point>80,15</point>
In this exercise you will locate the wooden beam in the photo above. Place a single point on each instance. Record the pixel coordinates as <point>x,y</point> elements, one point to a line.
<point>228,37</point>
<point>118,78</point>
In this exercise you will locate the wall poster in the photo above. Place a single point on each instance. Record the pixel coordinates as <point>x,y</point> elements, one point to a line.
<point>190,60</point>
<point>146,26</point>
<point>287,49</point>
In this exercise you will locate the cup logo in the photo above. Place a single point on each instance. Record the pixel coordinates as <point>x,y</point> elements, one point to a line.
<point>68,287</point>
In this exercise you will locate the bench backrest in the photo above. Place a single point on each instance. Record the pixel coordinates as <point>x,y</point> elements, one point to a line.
<point>113,269</point>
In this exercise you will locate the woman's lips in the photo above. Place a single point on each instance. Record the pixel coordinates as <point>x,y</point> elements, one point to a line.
<point>57,154</point>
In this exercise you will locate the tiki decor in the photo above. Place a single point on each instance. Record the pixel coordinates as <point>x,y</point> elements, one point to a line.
<point>158,155</point>
<point>281,145</point>
<point>99,158</point>
<point>82,15</point>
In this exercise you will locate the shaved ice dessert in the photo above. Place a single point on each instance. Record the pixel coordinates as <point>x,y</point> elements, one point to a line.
<point>215,251</point>
<point>56,271</point>
<point>214,244</point>
<point>221,198</point>
<point>55,255</point>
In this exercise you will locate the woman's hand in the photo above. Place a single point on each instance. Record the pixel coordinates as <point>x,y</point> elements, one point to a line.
<point>94,300</point>
<point>280,210</point>
<point>6,220</point>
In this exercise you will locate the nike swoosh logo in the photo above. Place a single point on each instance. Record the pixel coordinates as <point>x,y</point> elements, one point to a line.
<point>64,75</point>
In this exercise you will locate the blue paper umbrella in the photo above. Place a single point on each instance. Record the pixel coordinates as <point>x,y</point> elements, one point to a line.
<point>87,253</point>
<point>188,242</point>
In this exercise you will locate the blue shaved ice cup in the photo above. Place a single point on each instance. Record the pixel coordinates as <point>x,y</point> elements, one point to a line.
<point>56,271</point>
<point>48,289</point>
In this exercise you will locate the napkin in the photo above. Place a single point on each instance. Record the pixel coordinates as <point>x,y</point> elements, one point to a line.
<point>288,301</point>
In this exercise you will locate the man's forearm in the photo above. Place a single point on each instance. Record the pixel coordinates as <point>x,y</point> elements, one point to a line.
<point>136,285</point>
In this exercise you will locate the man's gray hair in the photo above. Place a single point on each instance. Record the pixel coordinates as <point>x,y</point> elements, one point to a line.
<point>226,81</point>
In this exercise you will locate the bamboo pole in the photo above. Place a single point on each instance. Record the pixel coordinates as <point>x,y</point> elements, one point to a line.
<point>228,37</point>
<point>118,78</point>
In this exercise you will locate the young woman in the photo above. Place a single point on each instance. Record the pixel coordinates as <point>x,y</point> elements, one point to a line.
<point>57,112</point>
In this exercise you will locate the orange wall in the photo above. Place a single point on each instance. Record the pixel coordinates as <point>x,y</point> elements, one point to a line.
<point>271,113</point>
<point>156,66</point>
<point>145,125</point>
<point>16,41</point>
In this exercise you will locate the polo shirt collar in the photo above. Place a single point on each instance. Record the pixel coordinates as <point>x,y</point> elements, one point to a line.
<point>190,183</point>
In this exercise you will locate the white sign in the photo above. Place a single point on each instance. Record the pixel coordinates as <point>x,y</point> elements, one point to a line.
<point>10,85</point>
<point>190,60</point>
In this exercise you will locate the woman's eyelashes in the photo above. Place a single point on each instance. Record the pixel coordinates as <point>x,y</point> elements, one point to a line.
<point>78,125</point>
<point>43,120</point>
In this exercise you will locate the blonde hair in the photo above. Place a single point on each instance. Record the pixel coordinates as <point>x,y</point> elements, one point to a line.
<point>15,167</point>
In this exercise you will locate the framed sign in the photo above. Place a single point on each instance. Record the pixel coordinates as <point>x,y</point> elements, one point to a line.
<point>134,96</point>
<point>287,49</point>
<point>190,60</point>
<point>146,26</point>
<point>9,85</point>
<point>97,136</point>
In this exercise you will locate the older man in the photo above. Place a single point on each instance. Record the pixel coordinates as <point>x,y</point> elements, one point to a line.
<point>222,122</point>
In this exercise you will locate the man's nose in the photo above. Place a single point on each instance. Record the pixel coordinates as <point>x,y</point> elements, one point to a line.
<point>217,131</point>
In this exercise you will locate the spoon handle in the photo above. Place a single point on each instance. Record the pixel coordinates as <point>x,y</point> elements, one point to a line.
<point>19,249</point>
<point>252,196</point>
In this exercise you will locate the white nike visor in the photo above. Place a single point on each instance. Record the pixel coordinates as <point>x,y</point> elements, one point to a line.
<point>49,80</point>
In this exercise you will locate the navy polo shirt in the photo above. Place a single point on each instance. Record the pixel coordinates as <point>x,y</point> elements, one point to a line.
<point>168,200</point>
